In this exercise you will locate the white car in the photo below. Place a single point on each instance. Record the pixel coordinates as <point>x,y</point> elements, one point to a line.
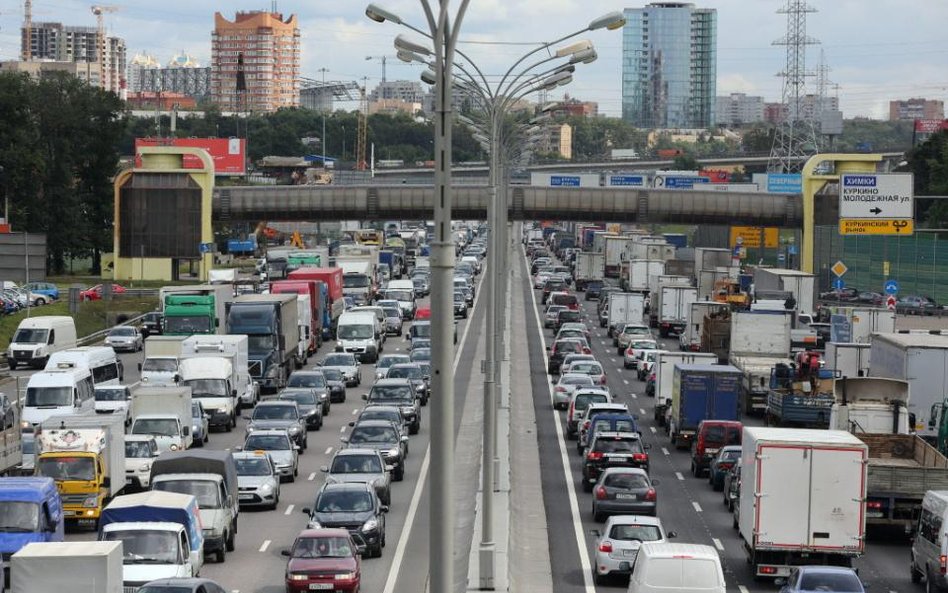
<point>633,353</point>
<point>125,337</point>
<point>629,332</point>
<point>619,541</point>
<point>568,383</point>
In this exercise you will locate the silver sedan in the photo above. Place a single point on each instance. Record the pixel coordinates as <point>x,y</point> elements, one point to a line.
<point>618,544</point>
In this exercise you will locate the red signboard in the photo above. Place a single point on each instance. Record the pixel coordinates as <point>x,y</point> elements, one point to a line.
<point>930,126</point>
<point>229,154</point>
<point>716,175</point>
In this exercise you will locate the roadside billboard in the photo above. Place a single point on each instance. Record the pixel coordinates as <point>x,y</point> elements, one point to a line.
<point>229,154</point>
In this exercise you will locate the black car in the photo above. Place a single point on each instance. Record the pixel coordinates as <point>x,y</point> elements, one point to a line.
<point>559,350</point>
<point>383,436</point>
<point>613,449</point>
<point>460,305</point>
<point>553,285</point>
<point>151,324</point>
<point>337,385</point>
<point>414,373</point>
<point>314,380</point>
<point>308,402</point>
<point>401,393</point>
<point>593,290</point>
<point>846,294</point>
<point>352,506</point>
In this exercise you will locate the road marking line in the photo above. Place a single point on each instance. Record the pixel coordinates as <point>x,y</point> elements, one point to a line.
<point>342,428</point>
<point>578,530</point>
<point>679,476</point>
<point>289,509</point>
<point>664,451</point>
<point>419,485</point>
<point>626,381</point>
<point>634,396</point>
<point>264,545</point>
<point>742,589</point>
<point>328,450</point>
<point>718,544</point>
<point>311,477</point>
<point>696,506</point>
<point>642,411</point>
<point>652,428</point>
<point>355,411</point>
<point>613,360</point>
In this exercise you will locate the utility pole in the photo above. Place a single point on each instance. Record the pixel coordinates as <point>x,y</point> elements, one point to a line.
<point>323,143</point>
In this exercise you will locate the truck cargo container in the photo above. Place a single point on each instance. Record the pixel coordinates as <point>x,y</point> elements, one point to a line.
<point>314,289</point>
<point>800,284</point>
<point>625,307</point>
<point>673,308</point>
<point>640,271</point>
<point>866,321</point>
<point>711,258</point>
<point>690,338</point>
<point>802,498</point>
<point>589,267</point>
<point>848,360</point>
<point>331,295</point>
<point>701,392</point>
<point>271,325</point>
<point>616,251</point>
<point>664,368</point>
<point>599,240</point>
<point>680,267</point>
<point>759,341</point>
<point>922,360</point>
<point>655,282</point>
<point>76,567</point>
<point>651,248</point>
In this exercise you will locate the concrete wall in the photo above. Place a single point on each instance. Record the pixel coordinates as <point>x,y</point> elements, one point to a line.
<point>13,259</point>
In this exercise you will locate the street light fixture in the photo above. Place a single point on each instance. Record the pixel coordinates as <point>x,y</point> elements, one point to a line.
<point>612,21</point>
<point>403,43</point>
<point>380,15</point>
<point>573,48</point>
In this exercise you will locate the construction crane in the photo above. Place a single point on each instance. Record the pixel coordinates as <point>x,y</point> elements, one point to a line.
<point>27,52</point>
<point>362,134</point>
<point>383,60</point>
<point>99,11</point>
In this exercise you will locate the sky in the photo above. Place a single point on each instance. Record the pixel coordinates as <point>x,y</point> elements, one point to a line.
<point>877,50</point>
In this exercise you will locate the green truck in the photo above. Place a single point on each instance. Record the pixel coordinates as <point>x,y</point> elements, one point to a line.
<point>199,309</point>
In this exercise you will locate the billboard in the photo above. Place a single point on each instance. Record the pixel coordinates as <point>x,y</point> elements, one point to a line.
<point>229,154</point>
<point>930,126</point>
<point>750,237</point>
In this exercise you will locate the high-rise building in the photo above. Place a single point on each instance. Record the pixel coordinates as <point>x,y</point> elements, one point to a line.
<point>402,90</point>
<point>255,62</point>
<point>60,43</point>
<point>738,109</point>
<point>909,109</point>
<point>669,66</point>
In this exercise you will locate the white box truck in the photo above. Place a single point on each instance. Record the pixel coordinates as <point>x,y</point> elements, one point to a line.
<point>870,405</point>
<point>847,360</point>
<point>160,366</point>
<point>231,348</point>
<point>922,360</point>
<point>625,307</point>
<point>801,285</point>
<point>664,377</point>
<point>589,267</point>
<point>673,308</point>
<point>165,413</point>
<point>690,338</point>
<point>758,342</point>
<point>617,250</point>
<point>76,567</point>
<point>641,271</point>
<point>802,498</point>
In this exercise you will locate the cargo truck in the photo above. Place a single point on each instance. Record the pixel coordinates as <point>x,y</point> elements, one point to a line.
<point>800,284</point>
<point>701,392</point>
<point>711,258</point>
<point>192,310</point>
<point>640,271</point>
<point>624,307</point>
<point>76,567</point>
<point>848,360</point>
<point>802,498</point>
<point>217,371</point>
<point>589,267</point>
<point>271,326</point>
<point>85,455</point>
<point>672,309</point>
<point>330,296</point>
<point>655,282</point>
<point>805,402</point>
<point>161,534</point>
<point>759,341</point>
<point>616,250</point>
<point>165,413</point>
<point>160,366</point>
<point>708,278</point>
<point>211,476</point>
<point>651,248</point>
<point>30,511</point>
<point>870,405</point>
<point>922,360</point>
<point>664,368</point>
<point>311,322</point>
<point>866,321</point>
<point>690,338</point>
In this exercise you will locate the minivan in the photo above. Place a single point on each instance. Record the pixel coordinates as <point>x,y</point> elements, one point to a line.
<point>930,544</point>
<point>37,338</point>
<point>63,391</point>
<point>105,366</point>
<point>710,437</point>
<point>361,334</point>
<point>676,568</point>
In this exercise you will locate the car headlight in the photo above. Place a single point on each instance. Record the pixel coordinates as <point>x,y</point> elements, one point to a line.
<point>250,428</point>
<point>173,447</point>
<point>194,428</point>
<point>293,576</point>
<point>145,468</point>
<point>294,429</point>
<point>370,525</point>
<point>266,488</point>
<point>313,524</point>
<point>272,371</point>
<point>408,410</point>
<point>419,388</point>
<point>344,576</point>
<point>394,452</point>
<point>91,502</point>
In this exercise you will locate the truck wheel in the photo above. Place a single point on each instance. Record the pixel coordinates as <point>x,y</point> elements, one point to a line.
<point>230,542</point>
<point>12,364</point>
<point>399,474</point>
<point>222,554</point>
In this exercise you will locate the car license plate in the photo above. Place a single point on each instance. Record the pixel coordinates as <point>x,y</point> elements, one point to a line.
<point>320,586</point>
<point>631,552</point>
<point>874,514</point>
<point>128,480</point>
<point>245,497</point>
<point>712,451</point>
<point>626,496</point>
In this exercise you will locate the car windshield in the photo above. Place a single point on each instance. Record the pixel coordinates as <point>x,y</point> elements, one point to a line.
<point>585,368</point>
<point>110,394</point>
<point>379,413</point>
<point>373,434</point>
<point>584,399</point>
<point>392,313</point>
<point>207,387</point>
<point>206,492</point>
<point>830,581</point>
<point>306,398</point>
<point>123,331</point>
<point>267,442</point>
<point>339,360</point>
<point>387,361</point>
<point>642,533</point>
<point>252,466</point>
<point>344,501</point>
<point>306,380</point>
<point>38,397</point>
<point>405,372</point>
<point>643,345</point>
<point>19,517</point>
<point>275,413</point>
<point>627,481</point>
<point>354,332</point>
<point>67,468</point>
<point>160,365</point>
<point>620,425</point>
<point>555,310</point>
<point>146,546</point>
<point>583,380</point>
<point>390,392</point>
<point>420,354</point>
<point>322,547</point>
<point>332,374</point>
<point>167,427</point>
<point>356,464</point>
<point>355,281</point>
<point>609,445</point>
<point>720,434</point>
<point>730,455</point>
<point>29,446</point>
<point>30,336</point>
<point>400,295</point>
<point>139,449</point>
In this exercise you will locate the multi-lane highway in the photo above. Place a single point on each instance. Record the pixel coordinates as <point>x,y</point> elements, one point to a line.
<point>256,566</point>
<point>686,504</point>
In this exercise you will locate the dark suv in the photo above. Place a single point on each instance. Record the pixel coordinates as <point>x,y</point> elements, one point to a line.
<point>151,324</point>
<point>593,290</point>
<point>400,393</point>
<point>553,285</point>
<point>355,507</point>
<point>613,449</point>
<point>560,349</point>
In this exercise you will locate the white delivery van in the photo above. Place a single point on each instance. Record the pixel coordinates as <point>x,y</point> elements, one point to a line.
<point>38,337</point>
<point>361,334</point>
<point>64,391</point>
<point>105,366</point>
<point>930,545</point>
<point>676,568</point>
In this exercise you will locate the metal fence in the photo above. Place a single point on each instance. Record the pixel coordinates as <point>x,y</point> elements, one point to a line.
<point>918,262</point>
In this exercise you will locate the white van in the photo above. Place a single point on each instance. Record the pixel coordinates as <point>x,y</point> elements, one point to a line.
<point>64,391</point>
<point>37,338</point>
<point>360,334</point>
<point>676,568</point>
<point>402,291</point>
<point>105,366</point>
<point>930,544</point>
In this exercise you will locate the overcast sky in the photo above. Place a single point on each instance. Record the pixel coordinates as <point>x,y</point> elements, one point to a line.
<point>877,49</point>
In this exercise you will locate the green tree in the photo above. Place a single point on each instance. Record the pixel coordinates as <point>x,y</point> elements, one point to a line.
<point>685,162</point>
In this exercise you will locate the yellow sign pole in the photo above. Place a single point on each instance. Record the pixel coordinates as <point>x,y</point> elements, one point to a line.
<point>813,183</point>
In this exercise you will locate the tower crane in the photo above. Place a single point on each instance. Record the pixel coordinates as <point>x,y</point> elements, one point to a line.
<point>100,10</point>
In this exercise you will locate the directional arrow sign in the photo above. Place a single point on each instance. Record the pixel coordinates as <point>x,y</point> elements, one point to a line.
<point>864,195</point>
<point>877,210</point>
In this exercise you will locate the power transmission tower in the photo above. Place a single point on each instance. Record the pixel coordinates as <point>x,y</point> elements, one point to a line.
<point>362,134</point>
<point>795,136</point>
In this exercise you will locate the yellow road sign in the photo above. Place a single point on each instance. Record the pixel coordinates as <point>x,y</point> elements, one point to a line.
<point>839,268</point>
<point>872,226</point>
<point>750,236</point>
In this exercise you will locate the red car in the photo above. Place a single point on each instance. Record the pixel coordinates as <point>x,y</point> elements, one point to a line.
<point>95,293</point>
<point>323,559</point>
